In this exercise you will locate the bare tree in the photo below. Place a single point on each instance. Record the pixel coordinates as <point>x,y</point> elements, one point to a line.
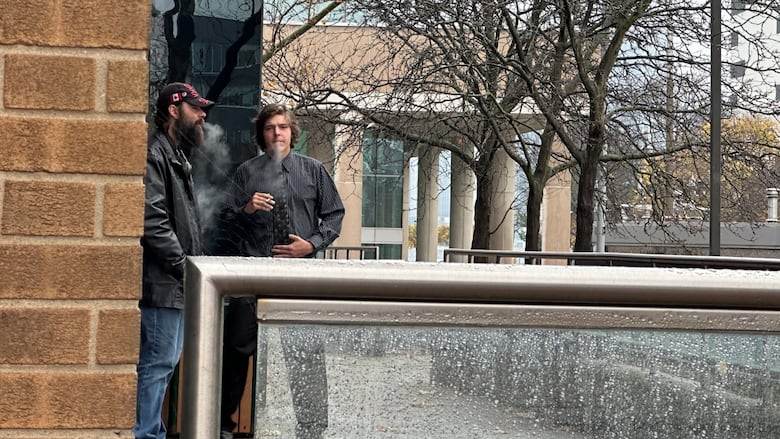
<point>437,80</point>
<point>667,59</point>
<point>623,85</point>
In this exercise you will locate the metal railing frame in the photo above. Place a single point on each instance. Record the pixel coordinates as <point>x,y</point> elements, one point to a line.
<point>322,291</point>
<point>617,259</point>
<point>334,251</point>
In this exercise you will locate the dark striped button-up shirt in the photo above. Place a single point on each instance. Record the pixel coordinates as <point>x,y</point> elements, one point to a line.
<point>314,206</point>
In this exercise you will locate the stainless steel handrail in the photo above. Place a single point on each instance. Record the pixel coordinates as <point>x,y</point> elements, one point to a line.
<point>346,312</point>
<point>209,279</point>
<point>618,259</point>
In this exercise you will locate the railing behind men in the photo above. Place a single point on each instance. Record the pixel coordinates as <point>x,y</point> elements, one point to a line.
<point>612,259</point>
<point>351,252</point>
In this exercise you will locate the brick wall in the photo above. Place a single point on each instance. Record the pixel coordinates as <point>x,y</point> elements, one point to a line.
<point>73,97</point>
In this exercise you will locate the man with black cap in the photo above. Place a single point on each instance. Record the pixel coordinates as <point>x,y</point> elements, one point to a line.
<point>172,232</point>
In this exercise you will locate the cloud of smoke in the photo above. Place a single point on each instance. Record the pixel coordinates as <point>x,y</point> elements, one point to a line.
<point>212,168</point>
<point>214,146</point>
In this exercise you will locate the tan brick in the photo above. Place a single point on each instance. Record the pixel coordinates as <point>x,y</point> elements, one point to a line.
<point>117,338</point>
<point>49,82</point>
<point>79,23</point>
<point>127,86</point>
<point>123,209</point>
<point>21,272</point>
<point>44,336</point>
<point>70,272</point>
<point>123,25</point>
<point>26,22</point>
<point>84,146</point>
<point>61,400</point>
<point>99,147</point>
<point>96,434</point>
<point>48,209</point>
<point>24,147</point>
<point>18,403</point>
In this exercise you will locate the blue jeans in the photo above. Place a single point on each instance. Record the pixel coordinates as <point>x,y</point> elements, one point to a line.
<point>162,338</point>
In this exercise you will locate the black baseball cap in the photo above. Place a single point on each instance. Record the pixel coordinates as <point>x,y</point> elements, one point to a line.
<point>181,92</point>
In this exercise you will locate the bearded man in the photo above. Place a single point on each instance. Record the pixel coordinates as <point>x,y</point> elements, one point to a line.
<point>172,231</point>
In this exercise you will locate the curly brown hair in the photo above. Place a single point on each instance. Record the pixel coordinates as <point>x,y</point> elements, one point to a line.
<point>270,111</point>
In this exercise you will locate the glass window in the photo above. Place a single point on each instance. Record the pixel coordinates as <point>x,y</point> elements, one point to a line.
<point>738,69</point>
<point>382,201</point>
<point>301,145</point>
<point>383,164</point>
<point>382,155</point>
<point>386,251</point>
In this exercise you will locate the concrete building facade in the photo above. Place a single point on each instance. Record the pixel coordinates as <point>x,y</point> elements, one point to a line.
<point>754,37</point>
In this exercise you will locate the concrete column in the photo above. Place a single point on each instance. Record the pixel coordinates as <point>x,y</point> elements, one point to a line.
<point>405,214</point>
<point>462,188</point>
<point>348,175</point>
<point>427,203</point>
<point>502,216</point>
<point>771,208</point>
<point>556,212</point>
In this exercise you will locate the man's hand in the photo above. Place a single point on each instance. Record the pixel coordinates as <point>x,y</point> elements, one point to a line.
<point>297,249</point>
<point>259,201</point>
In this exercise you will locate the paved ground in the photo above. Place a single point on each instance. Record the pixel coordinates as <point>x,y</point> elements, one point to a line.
<point>389,397</point>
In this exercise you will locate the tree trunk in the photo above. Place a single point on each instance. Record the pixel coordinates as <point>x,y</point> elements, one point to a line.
<point>533,240</point>
<point>482,206</point>
<point>589,167</point>
<point>179,45</point>
<point>536,183</point>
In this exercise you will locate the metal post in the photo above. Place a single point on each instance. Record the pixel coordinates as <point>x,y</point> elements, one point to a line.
<point>262,56</point>
<point>202,382</point>
<point>601,207</point>
<point>715,116</point>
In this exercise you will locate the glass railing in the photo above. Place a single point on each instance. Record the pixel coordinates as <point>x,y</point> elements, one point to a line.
<point>446,382</point>
<point>417,350</point>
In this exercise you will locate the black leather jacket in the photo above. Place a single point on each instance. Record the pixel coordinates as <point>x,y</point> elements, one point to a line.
<point>172,228</point>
